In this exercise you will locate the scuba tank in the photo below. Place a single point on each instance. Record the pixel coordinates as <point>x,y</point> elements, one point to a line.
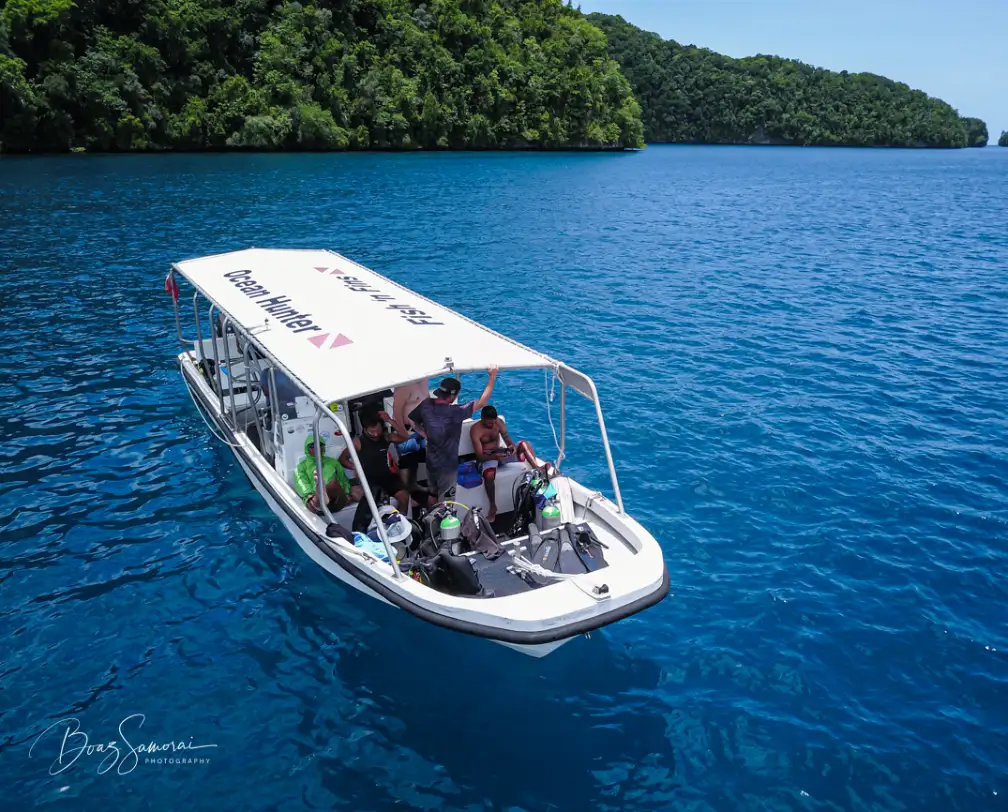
<point>548,517</point>
<point>450,530</point>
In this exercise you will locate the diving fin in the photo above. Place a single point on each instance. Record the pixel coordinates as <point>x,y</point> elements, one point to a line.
<point>592,559</point>
<point>569,559</point>
<point>548,552</point>
<point>533,543</point>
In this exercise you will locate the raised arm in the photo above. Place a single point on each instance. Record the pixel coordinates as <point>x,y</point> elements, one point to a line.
<point>488,391</point>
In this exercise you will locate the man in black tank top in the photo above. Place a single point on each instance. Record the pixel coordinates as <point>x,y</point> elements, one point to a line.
<point>372,449</point>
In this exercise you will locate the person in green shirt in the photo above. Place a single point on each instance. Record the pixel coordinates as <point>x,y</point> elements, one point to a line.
<point>337,488</point>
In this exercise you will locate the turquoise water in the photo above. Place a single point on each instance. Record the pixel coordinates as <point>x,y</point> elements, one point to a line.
<point>803,363</point>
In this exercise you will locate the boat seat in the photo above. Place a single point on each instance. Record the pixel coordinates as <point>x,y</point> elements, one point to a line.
<point>507,475</point>
<point>466,450</point>
<point>505,480</point>
<point>204,349</point>
<point>295,432</point>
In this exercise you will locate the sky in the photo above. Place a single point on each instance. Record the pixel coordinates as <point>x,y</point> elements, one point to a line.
<point>956,53</point>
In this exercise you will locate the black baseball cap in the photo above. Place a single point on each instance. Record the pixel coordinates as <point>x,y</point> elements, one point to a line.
<point>448,388</point>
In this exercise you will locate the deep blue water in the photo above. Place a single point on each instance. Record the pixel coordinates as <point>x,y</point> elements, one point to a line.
<point>803,358</point>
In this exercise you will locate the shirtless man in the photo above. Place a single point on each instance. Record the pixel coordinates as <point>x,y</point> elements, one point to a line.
<point>486,435</point>
<point>406,398</point>
<point>412,451</point>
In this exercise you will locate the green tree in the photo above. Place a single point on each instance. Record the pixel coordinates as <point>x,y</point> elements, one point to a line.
<point>318,74</point>
<point>976,132</point>
<point>693,95</point>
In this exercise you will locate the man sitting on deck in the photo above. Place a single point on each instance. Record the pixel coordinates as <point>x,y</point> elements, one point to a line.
<point>486,435</point>
<point>372,450</point>
<point>338,491</point>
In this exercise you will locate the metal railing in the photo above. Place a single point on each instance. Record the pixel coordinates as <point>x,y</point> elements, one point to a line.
<point>322,496</point>
<point>592,395</point>
<point>563,424</point>
<point>274,405</point>
<point>230,370</point>
<point>199,326</point>
<point>216,358</point>
<point>185,342</point>
<point>253,402</point>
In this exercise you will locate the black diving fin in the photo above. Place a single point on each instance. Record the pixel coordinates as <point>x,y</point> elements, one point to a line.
<point>547,552</point>
<point>587,547</point>
<point>570,560</point>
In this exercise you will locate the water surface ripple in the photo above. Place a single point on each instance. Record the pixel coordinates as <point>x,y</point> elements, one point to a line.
<point>803,362</point>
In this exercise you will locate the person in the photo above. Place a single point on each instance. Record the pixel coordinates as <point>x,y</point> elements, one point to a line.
<point>486,435</point>
<point>412,451</point>
<point>372,451</point>
<point>338,491</point>
<point>405,399</point>
<point>442,418</point>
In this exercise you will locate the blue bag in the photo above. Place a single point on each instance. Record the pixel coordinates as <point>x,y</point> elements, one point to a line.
<point>470,475</point>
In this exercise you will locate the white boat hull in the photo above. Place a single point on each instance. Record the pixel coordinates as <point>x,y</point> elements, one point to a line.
<point>534,623</point>
<point>313,552</point>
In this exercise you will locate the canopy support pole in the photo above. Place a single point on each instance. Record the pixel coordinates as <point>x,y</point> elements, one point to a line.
<point>579,380</point>
<point>230,373</point>
<point>563,423</point>
<point>253,402</point>
<point>274,406</point>
<point>178,320</point>
<point>320,491</point>
<point>608,450</point>
<point>323,501</point>
<point>216,358</point>
<point>195,309</point>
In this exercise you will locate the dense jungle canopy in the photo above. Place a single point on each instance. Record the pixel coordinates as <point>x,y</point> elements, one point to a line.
<point>335,74</point>
<point>125,75</point>
<point>694,95</point>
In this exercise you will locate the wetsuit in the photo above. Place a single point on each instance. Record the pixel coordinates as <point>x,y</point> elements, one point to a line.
<point>373,456</point>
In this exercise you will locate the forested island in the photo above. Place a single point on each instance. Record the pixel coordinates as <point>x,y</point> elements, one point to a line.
<point>691,95</point>
<point>1003,140</point>
<point>135,75</point>
<point>336,74</point>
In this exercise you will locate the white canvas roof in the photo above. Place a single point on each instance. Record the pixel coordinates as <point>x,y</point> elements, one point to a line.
<point>343,330</point>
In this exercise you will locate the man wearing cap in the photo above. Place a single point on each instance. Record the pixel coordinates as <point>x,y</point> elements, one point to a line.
<point>442,421</point>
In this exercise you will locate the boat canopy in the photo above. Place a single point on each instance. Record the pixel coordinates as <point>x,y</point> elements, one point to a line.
<point>343,330</point>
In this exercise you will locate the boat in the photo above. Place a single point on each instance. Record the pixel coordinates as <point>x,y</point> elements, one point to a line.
<point>291,346</point>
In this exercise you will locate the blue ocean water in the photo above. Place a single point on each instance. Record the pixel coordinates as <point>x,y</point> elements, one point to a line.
<point>803,360</point>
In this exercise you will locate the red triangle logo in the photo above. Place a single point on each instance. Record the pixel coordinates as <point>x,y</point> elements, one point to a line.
<point>336,272</point>
<point>321,270</point>
<point>340,341</point>
<point>318,341</point>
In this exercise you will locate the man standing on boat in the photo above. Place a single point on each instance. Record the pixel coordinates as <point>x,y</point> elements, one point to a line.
<point>442,421</point>
<point>413,450</point>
